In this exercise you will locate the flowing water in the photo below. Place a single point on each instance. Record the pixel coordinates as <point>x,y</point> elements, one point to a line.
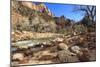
<point>30,43</point>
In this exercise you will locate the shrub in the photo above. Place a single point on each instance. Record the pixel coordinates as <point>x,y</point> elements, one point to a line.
<point>79,29</point>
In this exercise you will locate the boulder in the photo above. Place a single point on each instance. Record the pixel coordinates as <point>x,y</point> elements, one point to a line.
<point>84,55</point>
<point>58,39</point>
<point>18,56</point>
<point>66,56</point>
<point>46,55</point>
<point>75,49</point>
<point>62,46</point>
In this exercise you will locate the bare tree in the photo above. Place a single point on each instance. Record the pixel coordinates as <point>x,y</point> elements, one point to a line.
<point>89,11</point>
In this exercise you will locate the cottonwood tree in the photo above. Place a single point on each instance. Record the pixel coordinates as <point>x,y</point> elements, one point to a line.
<point>89,11</point>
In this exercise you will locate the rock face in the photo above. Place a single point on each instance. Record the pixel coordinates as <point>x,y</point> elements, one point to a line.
<point>29,5</point>
<point>26,17</point>
<point>40,7</point>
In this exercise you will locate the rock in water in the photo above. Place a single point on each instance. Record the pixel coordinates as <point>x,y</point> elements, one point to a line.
<point>75,49</point>
<point>62,46</point>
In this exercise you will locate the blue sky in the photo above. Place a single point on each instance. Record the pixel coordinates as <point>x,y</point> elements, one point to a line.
<point>66,10</point>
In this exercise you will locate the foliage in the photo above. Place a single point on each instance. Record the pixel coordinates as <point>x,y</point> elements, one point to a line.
<point>79,29</point>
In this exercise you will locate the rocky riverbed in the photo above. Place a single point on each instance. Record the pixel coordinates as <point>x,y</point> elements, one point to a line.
<point>60,49</point>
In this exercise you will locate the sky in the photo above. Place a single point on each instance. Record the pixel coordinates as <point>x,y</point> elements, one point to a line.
<point>65,9</point>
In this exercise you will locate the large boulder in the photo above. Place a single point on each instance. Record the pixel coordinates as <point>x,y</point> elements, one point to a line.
<point>66,56</point>
<point>84,55</point>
